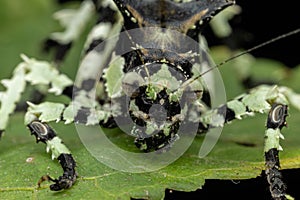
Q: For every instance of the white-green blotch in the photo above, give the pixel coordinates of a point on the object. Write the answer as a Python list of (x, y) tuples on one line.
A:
[(212, 118), (74, 21), (164, 79), (272, 138), (113, 76), (238, 107), (45, 112), (57, 147), (8, 99)]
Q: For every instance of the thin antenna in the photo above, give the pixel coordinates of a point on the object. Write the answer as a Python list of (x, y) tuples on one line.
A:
[(188, 82), (138, 52)]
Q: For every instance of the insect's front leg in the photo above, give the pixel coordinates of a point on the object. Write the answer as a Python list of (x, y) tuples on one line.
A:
[(44, 133), (276, 120), (74, 22), (36, 120), (263, 99)]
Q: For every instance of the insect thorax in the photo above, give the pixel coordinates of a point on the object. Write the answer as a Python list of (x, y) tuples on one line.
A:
[(152, 95)]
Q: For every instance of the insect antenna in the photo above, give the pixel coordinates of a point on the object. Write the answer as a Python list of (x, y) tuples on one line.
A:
[(188, 82), (139, 53)]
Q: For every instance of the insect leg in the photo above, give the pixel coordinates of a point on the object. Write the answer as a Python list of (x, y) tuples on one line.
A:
[(44, 133), (276, 120), (257, 100), (271, 99), (61, 42), (74, 22)]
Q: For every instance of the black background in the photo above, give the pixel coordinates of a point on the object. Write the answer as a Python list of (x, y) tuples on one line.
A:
[(260, 21)]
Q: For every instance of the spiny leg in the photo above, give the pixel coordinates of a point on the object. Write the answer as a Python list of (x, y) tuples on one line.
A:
[(271, 99), (276, 120), (258, 100), (44, 133), (101, 30), (61, 42)]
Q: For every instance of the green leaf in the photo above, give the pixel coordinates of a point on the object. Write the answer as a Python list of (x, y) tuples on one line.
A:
[(228, 160)]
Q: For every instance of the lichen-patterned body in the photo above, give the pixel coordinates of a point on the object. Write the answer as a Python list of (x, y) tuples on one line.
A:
[(163, 55)]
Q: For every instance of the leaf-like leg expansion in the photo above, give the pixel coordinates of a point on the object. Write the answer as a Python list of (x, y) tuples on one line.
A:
[(33, 72), (271, 99), (257, 100), (9, 98), (276, 120), (74, 22), (44, 133)]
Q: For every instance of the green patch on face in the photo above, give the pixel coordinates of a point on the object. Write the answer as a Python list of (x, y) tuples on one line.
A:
[(162, 79), (113, 76)]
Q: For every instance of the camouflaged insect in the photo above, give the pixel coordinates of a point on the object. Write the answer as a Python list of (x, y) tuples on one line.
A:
[(159, 79)]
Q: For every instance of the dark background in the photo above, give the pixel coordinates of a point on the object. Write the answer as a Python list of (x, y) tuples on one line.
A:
[(261, 21)]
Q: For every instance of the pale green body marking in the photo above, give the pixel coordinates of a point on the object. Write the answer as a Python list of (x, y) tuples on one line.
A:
[(272, 138), (57, 147)]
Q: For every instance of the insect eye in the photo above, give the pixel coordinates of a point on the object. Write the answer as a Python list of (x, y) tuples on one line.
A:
[(131, 82)]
